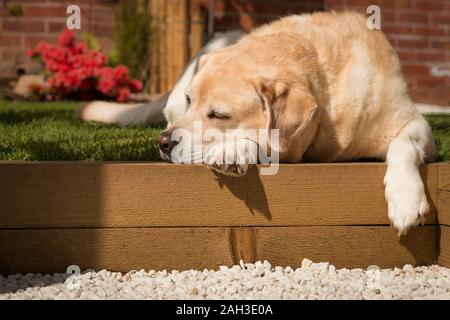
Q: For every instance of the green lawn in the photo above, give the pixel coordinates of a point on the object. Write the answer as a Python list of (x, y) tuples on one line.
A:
[(47, 131)]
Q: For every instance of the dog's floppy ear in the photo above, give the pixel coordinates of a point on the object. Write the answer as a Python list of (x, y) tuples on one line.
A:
[(289, 108)]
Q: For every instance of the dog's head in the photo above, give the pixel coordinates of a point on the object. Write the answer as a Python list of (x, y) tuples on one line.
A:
[(259, 84)]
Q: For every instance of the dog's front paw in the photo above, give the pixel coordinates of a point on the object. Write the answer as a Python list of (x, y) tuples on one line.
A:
[(407, 201), (232, 158)]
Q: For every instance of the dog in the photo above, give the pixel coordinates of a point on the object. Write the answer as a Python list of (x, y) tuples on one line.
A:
[(331, 86)]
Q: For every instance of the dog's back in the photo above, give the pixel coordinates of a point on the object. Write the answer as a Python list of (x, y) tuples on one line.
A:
[(365, 85)]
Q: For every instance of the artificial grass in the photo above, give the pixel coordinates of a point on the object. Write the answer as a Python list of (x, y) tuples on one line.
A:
[(48, 131), (441, 133)]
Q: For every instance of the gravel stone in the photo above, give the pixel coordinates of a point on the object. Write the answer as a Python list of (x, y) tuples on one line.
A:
[(260, 280)]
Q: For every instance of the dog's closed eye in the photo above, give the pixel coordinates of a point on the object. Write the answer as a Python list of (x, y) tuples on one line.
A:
[(188, 99), (214, 114)]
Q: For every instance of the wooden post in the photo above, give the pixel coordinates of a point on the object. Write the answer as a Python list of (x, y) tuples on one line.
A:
[(197, 33), (176, 40), (170, 47)]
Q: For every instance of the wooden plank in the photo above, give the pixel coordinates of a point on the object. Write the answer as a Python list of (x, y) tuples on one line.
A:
[(444, 246), (105, 194), (118, 249), (244, 244), (125, 249), (349, 246), (444, 194)]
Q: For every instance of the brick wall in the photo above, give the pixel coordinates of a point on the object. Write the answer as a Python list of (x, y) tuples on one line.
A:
[(44, 20), (418, 29)]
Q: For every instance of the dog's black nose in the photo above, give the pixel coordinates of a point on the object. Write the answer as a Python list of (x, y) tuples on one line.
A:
[(166, 144)]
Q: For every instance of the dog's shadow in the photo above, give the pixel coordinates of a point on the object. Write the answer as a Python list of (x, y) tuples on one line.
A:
[(248, 188)]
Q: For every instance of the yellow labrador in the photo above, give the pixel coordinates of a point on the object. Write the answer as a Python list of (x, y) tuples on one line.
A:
[(332, 87)]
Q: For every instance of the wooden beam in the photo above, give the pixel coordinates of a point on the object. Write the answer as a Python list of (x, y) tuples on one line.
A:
[(444, 194), (117, 249), (125, 249), (444, 246), (244, 244), (105, 194), (347, 246)]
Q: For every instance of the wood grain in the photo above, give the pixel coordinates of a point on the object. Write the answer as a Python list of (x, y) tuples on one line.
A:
[(99, 194), (244, 244), (119, 249), (444, 194), (444, 246), (349, 247), (125, 249)]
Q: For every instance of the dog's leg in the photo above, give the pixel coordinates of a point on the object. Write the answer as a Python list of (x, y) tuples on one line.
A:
[(404, 189)]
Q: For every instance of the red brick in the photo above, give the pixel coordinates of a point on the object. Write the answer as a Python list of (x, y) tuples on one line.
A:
[(396, 29), (440, 44), (423, 96), (441, 95), (38, 11), (398, 4), (102, 30), (430, 82), (430, 56), (429, 31), (406, 55), (429, 5), (6, 69), (31, 41), (440, 18), (12, 55), (417, 17), (10, 40), (363, 3), (388, 16), (22, 25), (415, 69), (333, 3), (56, 27), (412, 43)]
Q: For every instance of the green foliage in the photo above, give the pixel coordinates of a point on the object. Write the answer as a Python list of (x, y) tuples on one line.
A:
[(441, 133), (16, 10), (132, 38), (91, 41)]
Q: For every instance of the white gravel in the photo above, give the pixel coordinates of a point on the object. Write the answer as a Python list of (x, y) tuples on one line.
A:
[(244, 281)]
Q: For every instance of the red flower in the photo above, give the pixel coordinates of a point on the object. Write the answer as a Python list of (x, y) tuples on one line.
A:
[(75, 71), (32, 53), (122, 94), (67, 38), (121, 74), (135, 86), (106, 85)]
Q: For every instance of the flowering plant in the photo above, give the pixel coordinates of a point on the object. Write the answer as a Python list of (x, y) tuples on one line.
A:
[(73, 71)]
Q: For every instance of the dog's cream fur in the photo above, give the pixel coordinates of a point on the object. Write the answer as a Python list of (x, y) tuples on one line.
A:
[(335, 90)]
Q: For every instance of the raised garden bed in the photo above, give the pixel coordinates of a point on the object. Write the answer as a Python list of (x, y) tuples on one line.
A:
[(133, 215), (124, 216)]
